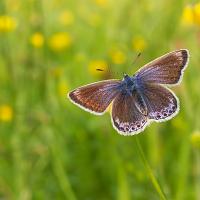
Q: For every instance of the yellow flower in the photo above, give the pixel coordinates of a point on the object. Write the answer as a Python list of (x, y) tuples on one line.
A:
[(101, 3), (188, 15), (117, 56), (60, 41), (197, 13), (37, 40), (195, 139), (94, 65), (63, 88), (7, 23), (6, 113), (66, 18), (191, 15), (138, 44)]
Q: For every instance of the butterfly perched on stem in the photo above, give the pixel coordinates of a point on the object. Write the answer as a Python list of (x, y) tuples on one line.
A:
[(139, 99)]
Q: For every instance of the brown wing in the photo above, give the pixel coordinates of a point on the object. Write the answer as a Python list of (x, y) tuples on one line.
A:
[(127, 119), (167, 69), (96, 97), (161, 103)]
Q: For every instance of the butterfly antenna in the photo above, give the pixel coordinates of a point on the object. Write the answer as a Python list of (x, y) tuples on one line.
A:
[(109, 72), (137, 57), (98, 69), (109, 69)]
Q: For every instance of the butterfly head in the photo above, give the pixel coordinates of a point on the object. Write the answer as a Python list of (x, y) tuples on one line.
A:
[(126, 77)]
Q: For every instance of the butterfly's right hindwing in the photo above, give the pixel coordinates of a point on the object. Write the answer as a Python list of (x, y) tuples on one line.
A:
[(127, 119)]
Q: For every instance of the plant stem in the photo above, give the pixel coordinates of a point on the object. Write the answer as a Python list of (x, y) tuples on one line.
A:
[(149, 171)]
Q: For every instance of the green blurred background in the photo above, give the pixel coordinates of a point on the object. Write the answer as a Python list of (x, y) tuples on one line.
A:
[(51, 149)]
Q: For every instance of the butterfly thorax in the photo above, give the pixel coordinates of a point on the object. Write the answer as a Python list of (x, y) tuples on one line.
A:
[(129, 85)]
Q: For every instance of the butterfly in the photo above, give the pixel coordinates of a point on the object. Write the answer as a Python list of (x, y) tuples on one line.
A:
[(139, 99)]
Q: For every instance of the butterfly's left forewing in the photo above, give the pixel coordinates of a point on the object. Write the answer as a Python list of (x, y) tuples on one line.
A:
[(95, 97), (167, 69)]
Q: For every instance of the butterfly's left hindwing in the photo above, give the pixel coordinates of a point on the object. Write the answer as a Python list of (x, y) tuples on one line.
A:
[(161, 103), (96, 97)]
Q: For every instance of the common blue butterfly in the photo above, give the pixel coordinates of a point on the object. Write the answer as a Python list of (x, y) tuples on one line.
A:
[(139, 99)]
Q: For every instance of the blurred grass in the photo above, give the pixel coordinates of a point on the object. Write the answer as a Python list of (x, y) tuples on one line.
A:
[(50, 149)]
